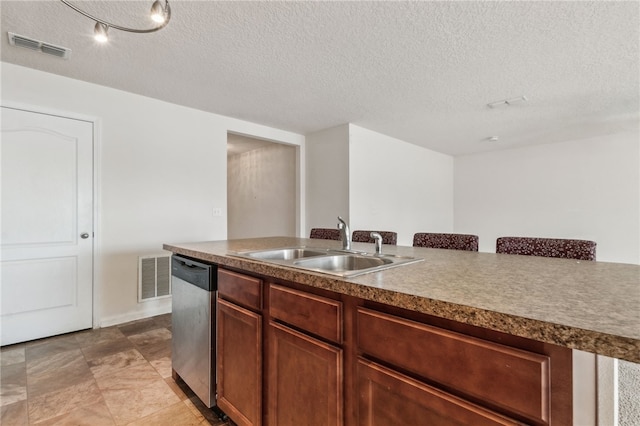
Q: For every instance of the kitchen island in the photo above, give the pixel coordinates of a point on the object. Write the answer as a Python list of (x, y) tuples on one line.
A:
[(590, 306), (529, 309)]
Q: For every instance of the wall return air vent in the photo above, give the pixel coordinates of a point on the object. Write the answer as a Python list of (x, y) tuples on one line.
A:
[(38, 46), (154, 277)]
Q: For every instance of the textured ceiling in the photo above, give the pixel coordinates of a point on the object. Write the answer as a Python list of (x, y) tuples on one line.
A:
[(422, 72)]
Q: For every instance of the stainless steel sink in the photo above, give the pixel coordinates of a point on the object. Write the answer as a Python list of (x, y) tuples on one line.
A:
[(287, 253), (343, 263)]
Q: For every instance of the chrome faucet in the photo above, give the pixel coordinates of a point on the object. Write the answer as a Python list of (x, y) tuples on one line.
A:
[(345, 234), (378, 240)]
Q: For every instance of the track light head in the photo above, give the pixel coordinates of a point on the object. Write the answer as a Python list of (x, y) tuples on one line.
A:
[(100, 33), (158, 12)]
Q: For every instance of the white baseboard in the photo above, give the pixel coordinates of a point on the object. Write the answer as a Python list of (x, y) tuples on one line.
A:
[(146, 312)]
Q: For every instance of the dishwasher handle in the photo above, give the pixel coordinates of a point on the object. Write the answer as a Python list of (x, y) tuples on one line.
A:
[(200, 274)]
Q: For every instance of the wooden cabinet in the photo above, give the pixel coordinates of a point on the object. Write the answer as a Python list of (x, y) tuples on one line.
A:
[(240, 289), (305, 382), (239, 348), (513, 380), (316, 315), (305, 379), (387, 397), (324, 359)]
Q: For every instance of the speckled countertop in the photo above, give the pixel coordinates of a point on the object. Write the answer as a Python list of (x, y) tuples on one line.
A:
[(591, 306)]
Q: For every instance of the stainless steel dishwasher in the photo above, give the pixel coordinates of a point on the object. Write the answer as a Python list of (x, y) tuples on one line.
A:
[(193, 323)]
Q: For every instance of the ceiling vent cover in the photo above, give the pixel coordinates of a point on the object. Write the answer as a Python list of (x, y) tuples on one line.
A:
[(39, 46)]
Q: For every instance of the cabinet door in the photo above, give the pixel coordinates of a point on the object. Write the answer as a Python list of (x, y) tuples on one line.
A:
[(239, 363), (516, 381), (387, 398), (305, 380)]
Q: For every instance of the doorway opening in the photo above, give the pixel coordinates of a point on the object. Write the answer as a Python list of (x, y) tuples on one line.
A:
[(262, 181)]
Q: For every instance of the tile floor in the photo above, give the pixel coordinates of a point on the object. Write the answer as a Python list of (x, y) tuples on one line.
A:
[(118, 375)]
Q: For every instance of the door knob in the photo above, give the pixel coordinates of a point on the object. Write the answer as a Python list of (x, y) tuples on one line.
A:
[(84, 235)]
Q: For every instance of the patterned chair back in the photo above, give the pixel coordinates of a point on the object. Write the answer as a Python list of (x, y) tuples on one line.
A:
[(446, 241), (547, 247), (361, 236), (325, 234)]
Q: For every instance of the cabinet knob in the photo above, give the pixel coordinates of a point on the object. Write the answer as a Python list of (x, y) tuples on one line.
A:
[(84, 235)]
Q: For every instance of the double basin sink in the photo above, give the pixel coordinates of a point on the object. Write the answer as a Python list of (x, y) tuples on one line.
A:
[(343, 263)]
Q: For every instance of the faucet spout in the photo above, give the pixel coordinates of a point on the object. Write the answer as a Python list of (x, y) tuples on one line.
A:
[(345, 234), (378, 240)]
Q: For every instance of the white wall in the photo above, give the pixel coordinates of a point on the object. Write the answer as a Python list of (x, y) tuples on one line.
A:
[(327, 163), (629, 394), (261, 188), (161, 171), (397, 186), (586, 189)]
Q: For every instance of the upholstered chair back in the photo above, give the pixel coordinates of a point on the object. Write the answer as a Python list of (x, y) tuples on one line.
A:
[(361, 236), (325, 234), (547, 247), (446, 241)]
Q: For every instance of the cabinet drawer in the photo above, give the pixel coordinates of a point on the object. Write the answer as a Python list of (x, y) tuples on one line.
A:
[(511, 379), (241, 289), (315, 314), (386, 397)]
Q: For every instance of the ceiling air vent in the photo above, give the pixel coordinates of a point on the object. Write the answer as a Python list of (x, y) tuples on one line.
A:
[(37, 45)]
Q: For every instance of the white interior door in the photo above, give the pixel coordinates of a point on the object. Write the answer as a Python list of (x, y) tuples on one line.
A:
[(46, 224)]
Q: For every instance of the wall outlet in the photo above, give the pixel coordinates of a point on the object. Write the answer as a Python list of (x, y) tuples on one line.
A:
[(217, 212)]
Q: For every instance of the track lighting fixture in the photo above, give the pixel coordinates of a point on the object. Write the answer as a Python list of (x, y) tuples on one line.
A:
[(100, 33), (160, 14)]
